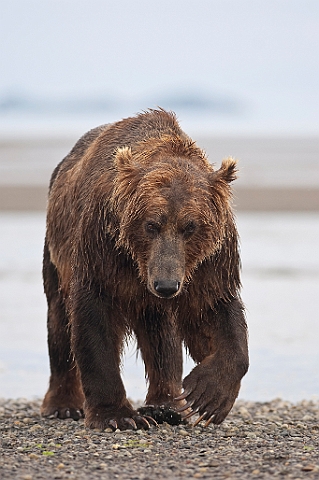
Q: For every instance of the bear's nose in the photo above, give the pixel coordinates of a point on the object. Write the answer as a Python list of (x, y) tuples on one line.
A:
[(166, 288)]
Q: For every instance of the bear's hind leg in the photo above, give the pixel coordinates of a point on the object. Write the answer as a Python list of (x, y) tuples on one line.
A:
[(64, 398)]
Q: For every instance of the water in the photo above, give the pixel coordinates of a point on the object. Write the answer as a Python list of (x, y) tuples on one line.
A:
[(281, 285)]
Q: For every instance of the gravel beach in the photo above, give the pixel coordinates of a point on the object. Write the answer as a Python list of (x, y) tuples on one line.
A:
[(257, 440)]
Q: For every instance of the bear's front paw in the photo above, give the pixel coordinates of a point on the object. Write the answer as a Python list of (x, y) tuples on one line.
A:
[(209, 393), (123, 418), (162, 414)]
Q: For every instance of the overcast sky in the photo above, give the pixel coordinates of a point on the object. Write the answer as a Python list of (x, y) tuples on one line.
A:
[(262, 53)]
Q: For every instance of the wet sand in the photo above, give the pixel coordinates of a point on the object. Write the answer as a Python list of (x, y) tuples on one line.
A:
[(280, 279), (275, 174), (288, 199)]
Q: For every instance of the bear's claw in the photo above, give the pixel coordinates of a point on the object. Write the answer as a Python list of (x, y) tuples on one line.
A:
[(124, 418), (150, 420), (63, 413), (131, 422), (113, 424), (186, 406), (184, 395), (128, 422)]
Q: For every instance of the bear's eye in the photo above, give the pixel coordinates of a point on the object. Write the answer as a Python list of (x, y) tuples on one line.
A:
[(189, 229), (153, 228)]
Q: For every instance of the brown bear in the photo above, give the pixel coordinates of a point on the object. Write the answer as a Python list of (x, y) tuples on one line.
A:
[(141, 240)]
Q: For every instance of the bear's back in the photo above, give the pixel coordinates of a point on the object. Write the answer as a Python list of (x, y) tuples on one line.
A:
[(125, 133)]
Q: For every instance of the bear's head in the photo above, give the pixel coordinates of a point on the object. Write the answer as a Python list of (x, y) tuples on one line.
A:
[(173, 211)]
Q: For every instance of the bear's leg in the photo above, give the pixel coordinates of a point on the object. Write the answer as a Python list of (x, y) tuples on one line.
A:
[(218, 343), (97, 332), (161, 349), (64, 397)]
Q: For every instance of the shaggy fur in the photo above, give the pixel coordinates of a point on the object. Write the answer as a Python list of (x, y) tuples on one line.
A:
[(141, 239)]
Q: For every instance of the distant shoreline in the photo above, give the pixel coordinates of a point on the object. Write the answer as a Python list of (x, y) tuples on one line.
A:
[(247, 198)]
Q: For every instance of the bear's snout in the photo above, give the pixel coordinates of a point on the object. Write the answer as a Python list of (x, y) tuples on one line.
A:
[(167, 288), (166, 267)]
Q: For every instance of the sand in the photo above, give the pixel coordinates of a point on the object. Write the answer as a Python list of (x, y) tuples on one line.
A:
[(275, 173), (287, 199)]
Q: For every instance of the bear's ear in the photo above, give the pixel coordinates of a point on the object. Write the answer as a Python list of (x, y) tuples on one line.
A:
[(123, 158), (128, 174), (227, 171)]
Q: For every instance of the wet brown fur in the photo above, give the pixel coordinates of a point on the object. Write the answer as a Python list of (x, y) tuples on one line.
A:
[(134, 203)]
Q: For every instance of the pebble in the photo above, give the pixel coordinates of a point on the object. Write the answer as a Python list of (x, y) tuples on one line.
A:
[(258, 440)]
